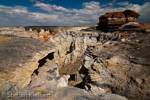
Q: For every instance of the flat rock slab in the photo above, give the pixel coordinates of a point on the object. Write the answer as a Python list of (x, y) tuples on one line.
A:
[(18, 50), (140, 56), (15, 52)]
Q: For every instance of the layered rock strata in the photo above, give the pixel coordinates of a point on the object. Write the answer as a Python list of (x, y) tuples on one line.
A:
[(112, 20)]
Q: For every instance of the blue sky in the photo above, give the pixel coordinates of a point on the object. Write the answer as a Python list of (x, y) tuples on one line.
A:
[(66, 12)]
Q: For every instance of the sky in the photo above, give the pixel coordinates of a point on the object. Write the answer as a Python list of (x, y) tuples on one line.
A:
[(66, 12)]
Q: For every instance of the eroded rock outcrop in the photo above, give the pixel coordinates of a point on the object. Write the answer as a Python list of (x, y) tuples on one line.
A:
[(120, 67), (112, 20), (98, 65), (19, 58), (131, 26), (108, 66)]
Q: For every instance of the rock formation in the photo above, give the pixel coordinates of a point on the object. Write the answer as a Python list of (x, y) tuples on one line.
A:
[(131, 26), (116, 67), (110, 62), (112, 20), (76, 62)]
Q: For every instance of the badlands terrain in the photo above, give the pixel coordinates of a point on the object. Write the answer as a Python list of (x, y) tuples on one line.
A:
[(75, 63)]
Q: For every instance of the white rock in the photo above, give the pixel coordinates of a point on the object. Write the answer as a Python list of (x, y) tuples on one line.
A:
[(123, 40), (119, 59)]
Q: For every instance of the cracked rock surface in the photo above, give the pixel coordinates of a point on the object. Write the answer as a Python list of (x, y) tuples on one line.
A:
[(119, 67), (78, 65)]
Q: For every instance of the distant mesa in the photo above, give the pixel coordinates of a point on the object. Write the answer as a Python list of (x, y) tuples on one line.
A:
[(112, 20)]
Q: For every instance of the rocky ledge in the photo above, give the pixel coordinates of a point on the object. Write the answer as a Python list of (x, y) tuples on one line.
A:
[(77, 65)]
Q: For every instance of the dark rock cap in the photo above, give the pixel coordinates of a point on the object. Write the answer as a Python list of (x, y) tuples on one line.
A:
[(130, 13), (120, 14)]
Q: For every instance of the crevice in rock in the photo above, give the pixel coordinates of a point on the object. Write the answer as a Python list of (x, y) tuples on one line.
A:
[(72, 78), (41, 62), (95, 79), (79, 80), (84, 71), (72, 47), (81, 85)]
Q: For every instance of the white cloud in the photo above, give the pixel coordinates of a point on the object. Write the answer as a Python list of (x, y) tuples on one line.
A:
[(44, 17), (110, 4), (46, 7), (13, 16), (143, 10), (17, 9), (50, 8), (37, 1), (58, 15), (61, 8), (88, 8), (123, 3), (91, 5)]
